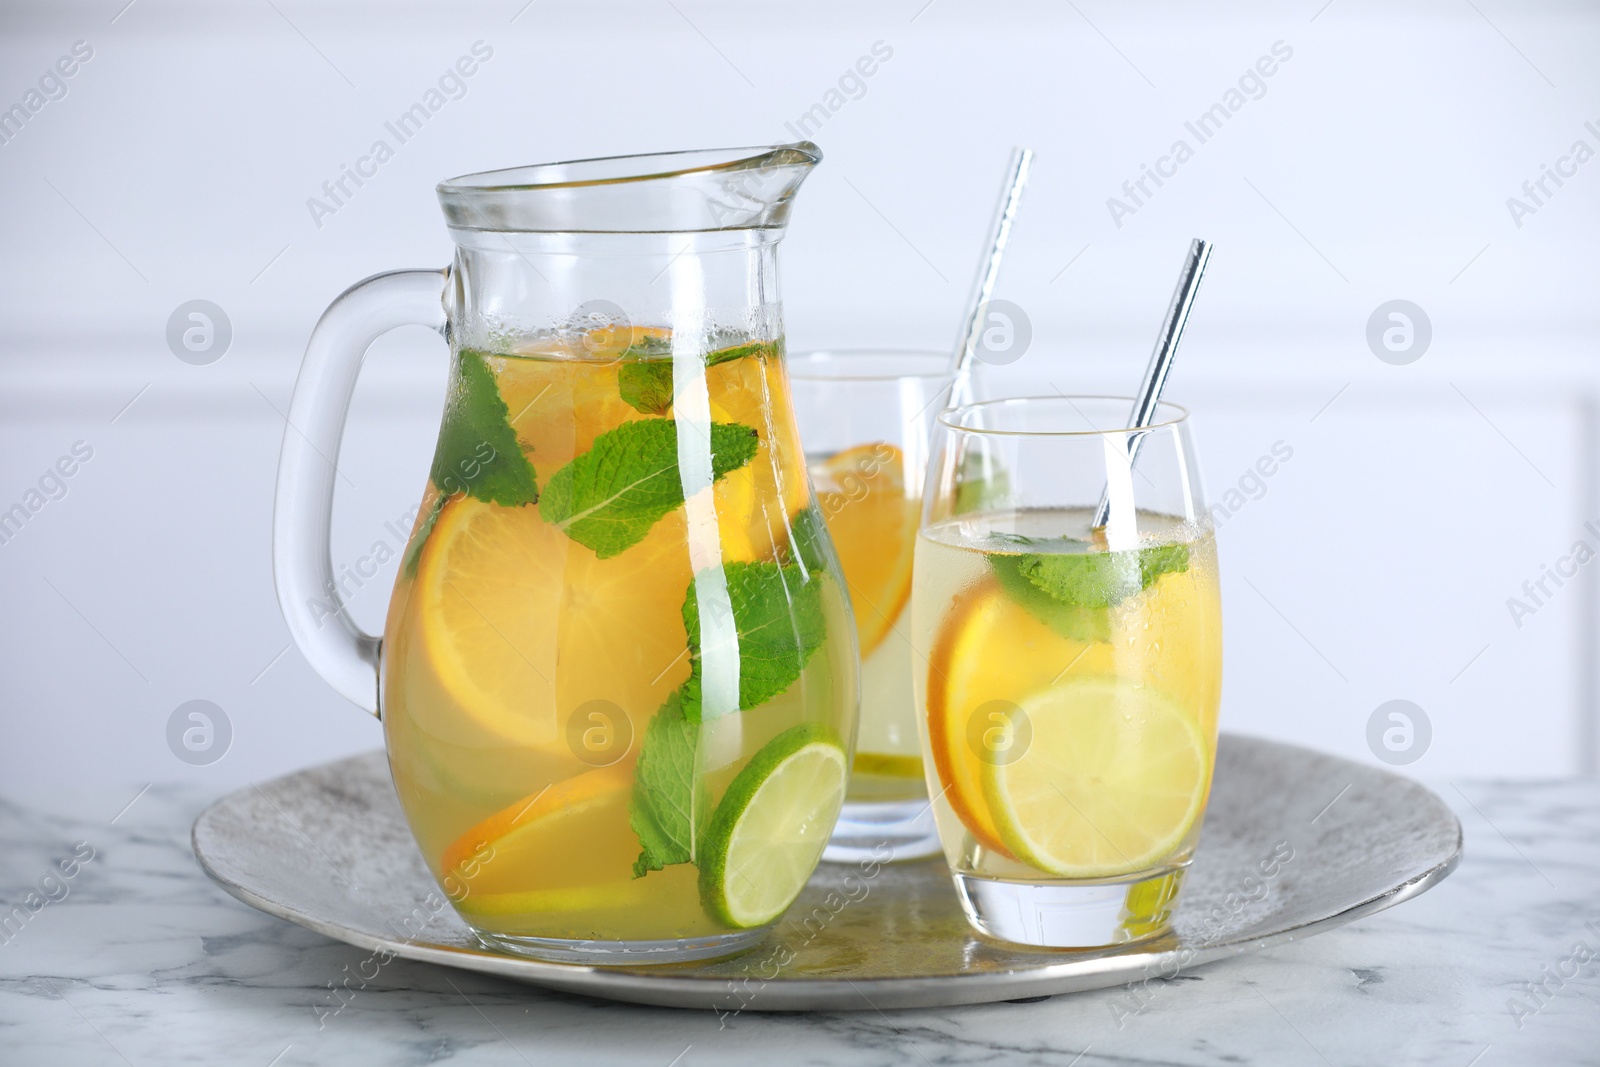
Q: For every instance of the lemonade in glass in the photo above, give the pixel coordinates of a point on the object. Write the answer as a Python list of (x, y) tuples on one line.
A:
[(1070, 674), (865, 416)]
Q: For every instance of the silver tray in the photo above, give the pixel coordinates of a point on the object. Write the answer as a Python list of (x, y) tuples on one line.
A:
[(1295, 843)]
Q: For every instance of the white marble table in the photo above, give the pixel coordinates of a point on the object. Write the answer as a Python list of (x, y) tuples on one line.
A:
[(141, 960)]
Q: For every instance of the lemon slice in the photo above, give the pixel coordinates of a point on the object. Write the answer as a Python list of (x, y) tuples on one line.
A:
[(1113, 779), (769, 830), (874, 529)]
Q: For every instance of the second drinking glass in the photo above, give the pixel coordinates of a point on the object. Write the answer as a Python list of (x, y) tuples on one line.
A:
[(865, 418)]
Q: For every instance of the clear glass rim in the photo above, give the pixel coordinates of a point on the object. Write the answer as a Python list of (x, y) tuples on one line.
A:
[(849, 364), (641, 167), (1166, 414)]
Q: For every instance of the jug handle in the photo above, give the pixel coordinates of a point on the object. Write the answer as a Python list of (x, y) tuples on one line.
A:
[(302, 558)]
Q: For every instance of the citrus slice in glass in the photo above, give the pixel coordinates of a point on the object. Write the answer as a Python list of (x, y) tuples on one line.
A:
[(558, 403), (769, 830), (874, 529), (753, 390), (984, 647), (521, 625), (554, 846), (1111, 781)]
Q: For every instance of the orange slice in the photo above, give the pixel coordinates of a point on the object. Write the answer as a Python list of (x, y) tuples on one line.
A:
[(754, 391), (957, 767), (571, 834), (522, 625), (874, 528), (988, 650), (558, 404)]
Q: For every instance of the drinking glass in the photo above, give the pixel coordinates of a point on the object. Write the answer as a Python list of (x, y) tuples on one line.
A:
[(1068, 676), (865, 418)]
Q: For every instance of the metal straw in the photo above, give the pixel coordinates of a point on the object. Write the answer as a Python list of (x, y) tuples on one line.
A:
[(988, 271), (1155, 376)]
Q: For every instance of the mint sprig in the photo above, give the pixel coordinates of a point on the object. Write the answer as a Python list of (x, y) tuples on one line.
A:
[(778, 621), (1100, 579), (1072, 592), (808, 540), (777, 616), (420, 537), (608, 498), (1072, 621), (646, 385), (667, 809), (478, 452)]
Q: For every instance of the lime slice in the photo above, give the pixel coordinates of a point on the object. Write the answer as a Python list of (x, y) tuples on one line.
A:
[(768, 833), (1113, 779)]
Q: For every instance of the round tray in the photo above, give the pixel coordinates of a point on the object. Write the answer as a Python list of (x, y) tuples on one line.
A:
[(1295, 843)]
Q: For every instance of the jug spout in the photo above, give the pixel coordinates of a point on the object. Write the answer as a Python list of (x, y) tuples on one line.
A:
[(671, 192)]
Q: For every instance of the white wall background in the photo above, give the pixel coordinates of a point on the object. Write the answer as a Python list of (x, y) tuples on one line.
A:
[(1376, 165)]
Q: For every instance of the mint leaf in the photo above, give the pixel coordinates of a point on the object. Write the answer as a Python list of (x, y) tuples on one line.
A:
[(1162, 559), (420, 538), (1071, 591), (777, 615), (1072, 621), (608, 498), (646, 384), (749, 348), (645, 381), (1085, 579), (808, 540), (1101, 579), (667, 808), (651, 345), (478, 453)]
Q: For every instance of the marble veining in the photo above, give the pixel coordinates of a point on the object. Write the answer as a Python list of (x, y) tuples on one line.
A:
[(142, 960)]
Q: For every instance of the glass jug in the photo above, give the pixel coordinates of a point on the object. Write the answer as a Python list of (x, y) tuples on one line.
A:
[(618, 678)]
